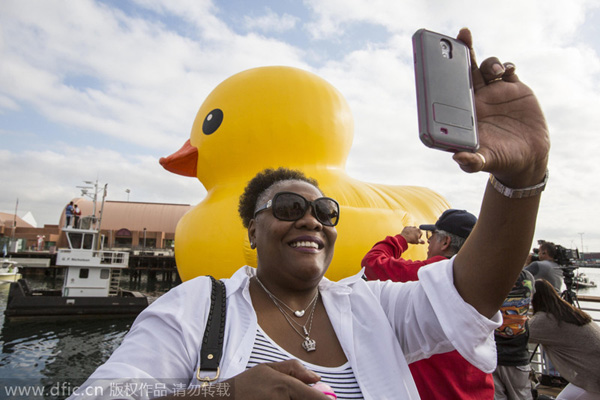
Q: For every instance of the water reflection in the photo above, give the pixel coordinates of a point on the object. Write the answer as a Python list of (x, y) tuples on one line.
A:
[(55, 355), (52, 352)]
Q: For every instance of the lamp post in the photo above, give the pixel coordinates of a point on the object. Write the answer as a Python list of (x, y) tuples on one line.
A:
[(127, 191)]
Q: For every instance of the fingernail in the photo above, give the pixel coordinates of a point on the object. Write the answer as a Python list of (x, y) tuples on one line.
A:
[(314, 374), (498, 69)]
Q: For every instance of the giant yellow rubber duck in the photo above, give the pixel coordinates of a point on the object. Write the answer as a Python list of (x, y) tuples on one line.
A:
[(281, 116)]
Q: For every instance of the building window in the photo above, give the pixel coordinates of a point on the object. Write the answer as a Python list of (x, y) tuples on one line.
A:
[(84, 273), (123, 233), (121, 242), (123, 238)]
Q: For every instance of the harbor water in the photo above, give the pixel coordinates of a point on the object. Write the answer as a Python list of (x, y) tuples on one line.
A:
[(49, 359)]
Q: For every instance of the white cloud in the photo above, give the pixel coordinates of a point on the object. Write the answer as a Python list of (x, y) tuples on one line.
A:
[(43, 181), (8, 104), (550, 58), (271, 22), (115, 79), (142, 73)]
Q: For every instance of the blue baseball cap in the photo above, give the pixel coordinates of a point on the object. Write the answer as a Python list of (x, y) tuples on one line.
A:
[(457, 222)]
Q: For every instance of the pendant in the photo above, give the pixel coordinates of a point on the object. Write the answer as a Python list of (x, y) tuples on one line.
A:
[(309, 344), (299, 313)]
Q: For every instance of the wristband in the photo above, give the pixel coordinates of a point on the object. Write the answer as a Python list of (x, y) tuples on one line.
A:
[(518, 193)]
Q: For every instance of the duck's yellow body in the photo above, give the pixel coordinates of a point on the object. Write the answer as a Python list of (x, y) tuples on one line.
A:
[(274, 117)]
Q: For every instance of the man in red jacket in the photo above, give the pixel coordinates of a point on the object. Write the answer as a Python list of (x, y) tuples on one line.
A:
[(442, 376)]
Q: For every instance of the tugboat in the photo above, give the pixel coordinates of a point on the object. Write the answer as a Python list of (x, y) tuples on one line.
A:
[(91, 282)]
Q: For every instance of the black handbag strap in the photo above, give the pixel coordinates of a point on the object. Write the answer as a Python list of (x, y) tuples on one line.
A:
[(214, 333)]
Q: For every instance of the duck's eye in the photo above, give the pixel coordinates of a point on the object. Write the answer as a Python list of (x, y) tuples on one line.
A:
[(212, 121)]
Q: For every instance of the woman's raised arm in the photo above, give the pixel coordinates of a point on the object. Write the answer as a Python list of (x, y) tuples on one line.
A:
[(514, 144)]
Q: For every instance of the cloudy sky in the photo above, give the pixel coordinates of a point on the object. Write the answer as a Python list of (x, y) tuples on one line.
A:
[(100, 90)]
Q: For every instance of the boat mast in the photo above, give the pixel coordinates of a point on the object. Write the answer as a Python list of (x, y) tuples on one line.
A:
[(101, 213), (85, 191)]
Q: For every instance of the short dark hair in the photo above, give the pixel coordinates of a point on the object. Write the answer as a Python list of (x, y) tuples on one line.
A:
[(263, 181), (550, 248)]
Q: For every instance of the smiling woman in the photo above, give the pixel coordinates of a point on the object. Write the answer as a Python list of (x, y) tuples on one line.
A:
[(288, 327), (286, 323)]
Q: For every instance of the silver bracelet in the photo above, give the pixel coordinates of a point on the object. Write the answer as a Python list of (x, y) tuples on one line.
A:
[(518, 193)]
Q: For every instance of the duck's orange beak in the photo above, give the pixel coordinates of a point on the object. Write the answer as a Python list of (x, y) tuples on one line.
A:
[(183, 162)]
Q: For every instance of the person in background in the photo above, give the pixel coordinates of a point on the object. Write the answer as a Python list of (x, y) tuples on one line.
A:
[(77, 215), (571, 339), (546, 268), (445, 238), (447, 375), (511, 377), (69, 214)]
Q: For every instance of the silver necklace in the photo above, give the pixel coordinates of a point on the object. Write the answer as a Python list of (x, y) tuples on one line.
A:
[(297, 313), (308, 344)]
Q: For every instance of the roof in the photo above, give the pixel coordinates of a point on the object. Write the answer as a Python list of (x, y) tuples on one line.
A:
[(135, 216), (7, 219)]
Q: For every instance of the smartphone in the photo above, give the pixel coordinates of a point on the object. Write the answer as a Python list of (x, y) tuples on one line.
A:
[(445, 95)]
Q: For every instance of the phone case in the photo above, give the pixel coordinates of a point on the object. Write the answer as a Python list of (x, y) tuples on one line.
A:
[(445, 95)]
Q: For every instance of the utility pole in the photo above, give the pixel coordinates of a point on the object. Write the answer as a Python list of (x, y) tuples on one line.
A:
[(14, 229)]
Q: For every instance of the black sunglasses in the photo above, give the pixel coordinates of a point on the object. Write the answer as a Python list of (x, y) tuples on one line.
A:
[(288, 206)]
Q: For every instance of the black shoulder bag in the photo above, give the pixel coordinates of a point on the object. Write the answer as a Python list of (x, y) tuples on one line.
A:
[(212, 343)]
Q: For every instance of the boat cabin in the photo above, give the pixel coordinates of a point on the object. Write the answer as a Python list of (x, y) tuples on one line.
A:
[(91, 271)]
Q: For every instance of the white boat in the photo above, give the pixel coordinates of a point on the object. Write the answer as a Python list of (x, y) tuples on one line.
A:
[(9, 271), (91, 282), (581, 280)]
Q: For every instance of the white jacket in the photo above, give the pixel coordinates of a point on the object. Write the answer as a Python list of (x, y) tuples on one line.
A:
[(369, 318)]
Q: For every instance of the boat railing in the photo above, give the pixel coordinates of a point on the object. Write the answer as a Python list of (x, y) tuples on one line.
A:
[(591, 305), (113, 257), (89, 222)]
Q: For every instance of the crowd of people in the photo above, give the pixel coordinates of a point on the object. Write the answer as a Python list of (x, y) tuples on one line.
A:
[(570, 339), (412, 329)]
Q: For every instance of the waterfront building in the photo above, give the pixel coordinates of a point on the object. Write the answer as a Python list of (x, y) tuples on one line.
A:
[(137, 227)]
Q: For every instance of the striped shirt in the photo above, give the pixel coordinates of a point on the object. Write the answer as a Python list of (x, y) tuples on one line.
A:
[(341, 379)]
